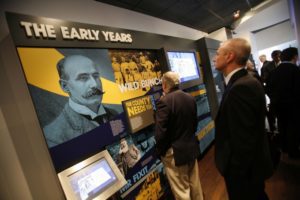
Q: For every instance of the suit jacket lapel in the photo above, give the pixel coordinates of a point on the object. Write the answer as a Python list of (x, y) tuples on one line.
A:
[(235, 77)]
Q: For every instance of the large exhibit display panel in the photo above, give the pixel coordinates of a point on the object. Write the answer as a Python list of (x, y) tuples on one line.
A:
[(94, 178), (94, 90), (127, 102)]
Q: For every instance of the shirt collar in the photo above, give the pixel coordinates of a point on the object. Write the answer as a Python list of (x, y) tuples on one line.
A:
[(227, 78), (85, 110), (286, 62)]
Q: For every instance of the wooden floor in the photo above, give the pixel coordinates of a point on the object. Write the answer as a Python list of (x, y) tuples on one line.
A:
[(283, 185)]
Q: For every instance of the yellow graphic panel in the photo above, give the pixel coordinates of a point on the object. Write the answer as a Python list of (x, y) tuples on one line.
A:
[(113, 94), (39, 65), (205, 130)]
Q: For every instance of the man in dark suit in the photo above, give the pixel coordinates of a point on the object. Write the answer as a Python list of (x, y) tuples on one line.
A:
[(263, 60), (283, 88), (266, 70), (241, 149), (269, 66), (80, 79), (176, 144)]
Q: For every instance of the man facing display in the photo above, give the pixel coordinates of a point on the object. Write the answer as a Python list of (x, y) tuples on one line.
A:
[(176, 144)]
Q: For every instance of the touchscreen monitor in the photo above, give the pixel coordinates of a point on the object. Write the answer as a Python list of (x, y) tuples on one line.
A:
[(186, 65), (97, 177)]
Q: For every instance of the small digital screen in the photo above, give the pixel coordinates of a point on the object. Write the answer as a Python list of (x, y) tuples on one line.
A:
[(185, 64), (91, 180)]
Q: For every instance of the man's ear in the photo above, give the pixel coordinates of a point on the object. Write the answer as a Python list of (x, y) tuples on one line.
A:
[(64, 85), (230, 57)]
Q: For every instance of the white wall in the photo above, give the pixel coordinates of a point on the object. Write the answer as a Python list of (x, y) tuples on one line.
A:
[(220, 35), (271, 15), (267, 28), (275, 35)]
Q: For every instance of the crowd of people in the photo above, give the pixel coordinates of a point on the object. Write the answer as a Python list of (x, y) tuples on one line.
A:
[(242, 152), (282, 86)]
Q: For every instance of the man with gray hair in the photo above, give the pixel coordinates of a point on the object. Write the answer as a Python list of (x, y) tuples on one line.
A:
[(176, 143), (242, 153), (80, 79)]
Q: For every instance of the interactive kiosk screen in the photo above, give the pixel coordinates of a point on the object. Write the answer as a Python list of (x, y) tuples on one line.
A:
[(186, 65), (97, 177)]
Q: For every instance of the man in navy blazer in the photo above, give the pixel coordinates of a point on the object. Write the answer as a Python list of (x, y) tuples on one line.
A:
[(241, 149), (176, 143)]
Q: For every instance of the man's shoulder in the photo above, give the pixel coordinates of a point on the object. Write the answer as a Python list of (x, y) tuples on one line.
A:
[(271, 65), (247, 84), (59, 122), (67, 119)]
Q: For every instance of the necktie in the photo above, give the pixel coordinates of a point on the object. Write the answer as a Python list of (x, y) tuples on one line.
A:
[(99, 119)]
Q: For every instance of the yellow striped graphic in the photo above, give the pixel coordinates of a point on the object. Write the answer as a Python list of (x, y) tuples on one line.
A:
[(39, 65), (205, 130)]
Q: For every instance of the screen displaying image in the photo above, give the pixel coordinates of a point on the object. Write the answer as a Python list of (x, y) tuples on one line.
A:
[(185, 64), (92, 180)]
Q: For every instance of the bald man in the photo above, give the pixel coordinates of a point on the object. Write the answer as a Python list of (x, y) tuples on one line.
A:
[(241, 149), (80, 79)]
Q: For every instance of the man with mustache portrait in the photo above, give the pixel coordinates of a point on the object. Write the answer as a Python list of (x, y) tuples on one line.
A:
[(80, 79)]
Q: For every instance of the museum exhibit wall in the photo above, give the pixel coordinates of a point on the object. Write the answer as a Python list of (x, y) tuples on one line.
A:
[(89, 11), (33, 175)]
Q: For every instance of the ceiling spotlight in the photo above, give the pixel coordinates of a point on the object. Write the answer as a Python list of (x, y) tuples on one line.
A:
[(236, 14)]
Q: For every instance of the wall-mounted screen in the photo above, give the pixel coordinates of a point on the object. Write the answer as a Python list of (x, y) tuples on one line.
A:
[(185, 63), (97, 177)]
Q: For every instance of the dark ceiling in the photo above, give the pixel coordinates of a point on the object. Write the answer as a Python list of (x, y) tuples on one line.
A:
[(203, 15)]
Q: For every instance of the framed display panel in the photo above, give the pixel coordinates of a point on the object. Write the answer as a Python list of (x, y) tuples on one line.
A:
[(97, 177), (139, 112)]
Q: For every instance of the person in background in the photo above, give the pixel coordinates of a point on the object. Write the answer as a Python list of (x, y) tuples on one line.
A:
[(283, 88), (242, 153), (251, 70), (80, 79), (270, 65), (117, 71), (265, 73), (263, 60), (129, 155), (176, 143)]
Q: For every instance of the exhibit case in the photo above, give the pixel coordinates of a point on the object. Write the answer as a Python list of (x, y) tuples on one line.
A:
[(93, 89)]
